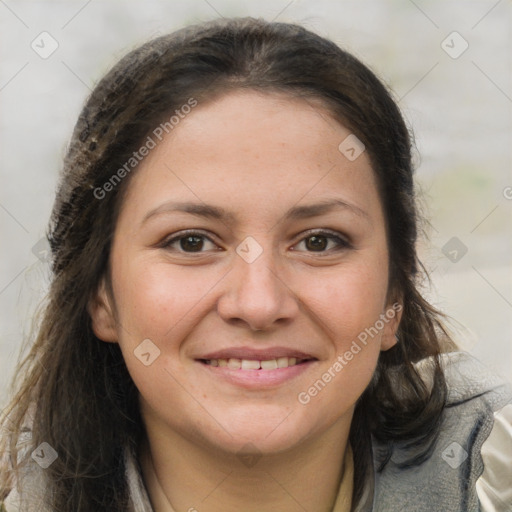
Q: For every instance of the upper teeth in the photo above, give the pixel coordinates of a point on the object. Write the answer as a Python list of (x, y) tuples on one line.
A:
[(251, 364)]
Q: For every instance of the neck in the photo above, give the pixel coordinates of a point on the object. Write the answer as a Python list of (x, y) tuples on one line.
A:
[(182, 476)]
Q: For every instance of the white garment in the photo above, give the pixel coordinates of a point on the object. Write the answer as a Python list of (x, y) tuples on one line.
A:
[(494, 487)]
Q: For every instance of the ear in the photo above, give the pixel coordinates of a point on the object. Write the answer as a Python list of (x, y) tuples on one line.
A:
[(102, 315), (391, 317)]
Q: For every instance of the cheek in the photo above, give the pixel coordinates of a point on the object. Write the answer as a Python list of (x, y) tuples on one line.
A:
[(350, 300), (158, 302), (155, 298), (348, 312)]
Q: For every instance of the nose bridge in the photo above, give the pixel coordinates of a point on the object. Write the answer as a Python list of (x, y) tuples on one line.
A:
[(257, 293), (256, 266)]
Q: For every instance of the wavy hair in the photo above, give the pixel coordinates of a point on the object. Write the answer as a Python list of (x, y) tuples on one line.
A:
[(75, 388)]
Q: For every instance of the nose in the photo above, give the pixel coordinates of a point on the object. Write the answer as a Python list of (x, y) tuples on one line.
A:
[(257, 295)]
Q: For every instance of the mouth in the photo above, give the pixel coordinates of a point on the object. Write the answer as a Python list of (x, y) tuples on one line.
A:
[(256, 369), (255, 364)]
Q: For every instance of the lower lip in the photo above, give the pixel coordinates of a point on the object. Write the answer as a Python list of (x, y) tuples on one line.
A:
[(257, 379)]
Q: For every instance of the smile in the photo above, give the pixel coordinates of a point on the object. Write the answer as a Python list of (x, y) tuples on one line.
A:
[(256, 369), (254, 364)]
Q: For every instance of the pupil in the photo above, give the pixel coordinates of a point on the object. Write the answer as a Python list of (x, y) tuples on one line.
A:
[(319, 242), (194, 246)]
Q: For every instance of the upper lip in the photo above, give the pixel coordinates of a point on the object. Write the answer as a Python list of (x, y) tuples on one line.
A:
[(256, 354)]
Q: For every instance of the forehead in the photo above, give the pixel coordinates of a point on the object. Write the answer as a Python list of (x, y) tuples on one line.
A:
[(250, 150), (249, 122)]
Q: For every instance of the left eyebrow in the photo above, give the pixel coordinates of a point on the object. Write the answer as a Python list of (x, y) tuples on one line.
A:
[(316, 209)]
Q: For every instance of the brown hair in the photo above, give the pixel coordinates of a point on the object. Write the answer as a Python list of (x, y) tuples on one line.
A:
[(85, 403)]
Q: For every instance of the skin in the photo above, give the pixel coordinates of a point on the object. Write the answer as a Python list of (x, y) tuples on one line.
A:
[(257, 155)]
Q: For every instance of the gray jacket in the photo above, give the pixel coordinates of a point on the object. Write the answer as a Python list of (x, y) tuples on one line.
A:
[(446, 482)]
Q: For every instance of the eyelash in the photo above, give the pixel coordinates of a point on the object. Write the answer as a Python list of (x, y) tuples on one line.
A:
[(331, 235)]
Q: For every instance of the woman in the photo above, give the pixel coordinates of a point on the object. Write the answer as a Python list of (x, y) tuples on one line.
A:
[(234, 321)]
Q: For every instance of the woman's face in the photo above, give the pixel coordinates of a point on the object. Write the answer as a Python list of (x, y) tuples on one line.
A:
[(264, 323)]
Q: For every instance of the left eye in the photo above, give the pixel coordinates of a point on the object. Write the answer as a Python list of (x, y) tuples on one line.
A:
[(194, 241), (319, 240)]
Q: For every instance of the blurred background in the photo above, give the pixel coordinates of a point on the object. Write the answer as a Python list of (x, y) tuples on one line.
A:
[(447, 62)]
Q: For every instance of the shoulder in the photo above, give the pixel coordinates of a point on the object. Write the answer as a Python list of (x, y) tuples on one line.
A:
[(28, 494), (470, 381), (483, 401), (478, 403)]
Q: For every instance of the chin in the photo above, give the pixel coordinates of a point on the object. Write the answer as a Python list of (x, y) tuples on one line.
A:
[(252, 442), (263, 430)]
